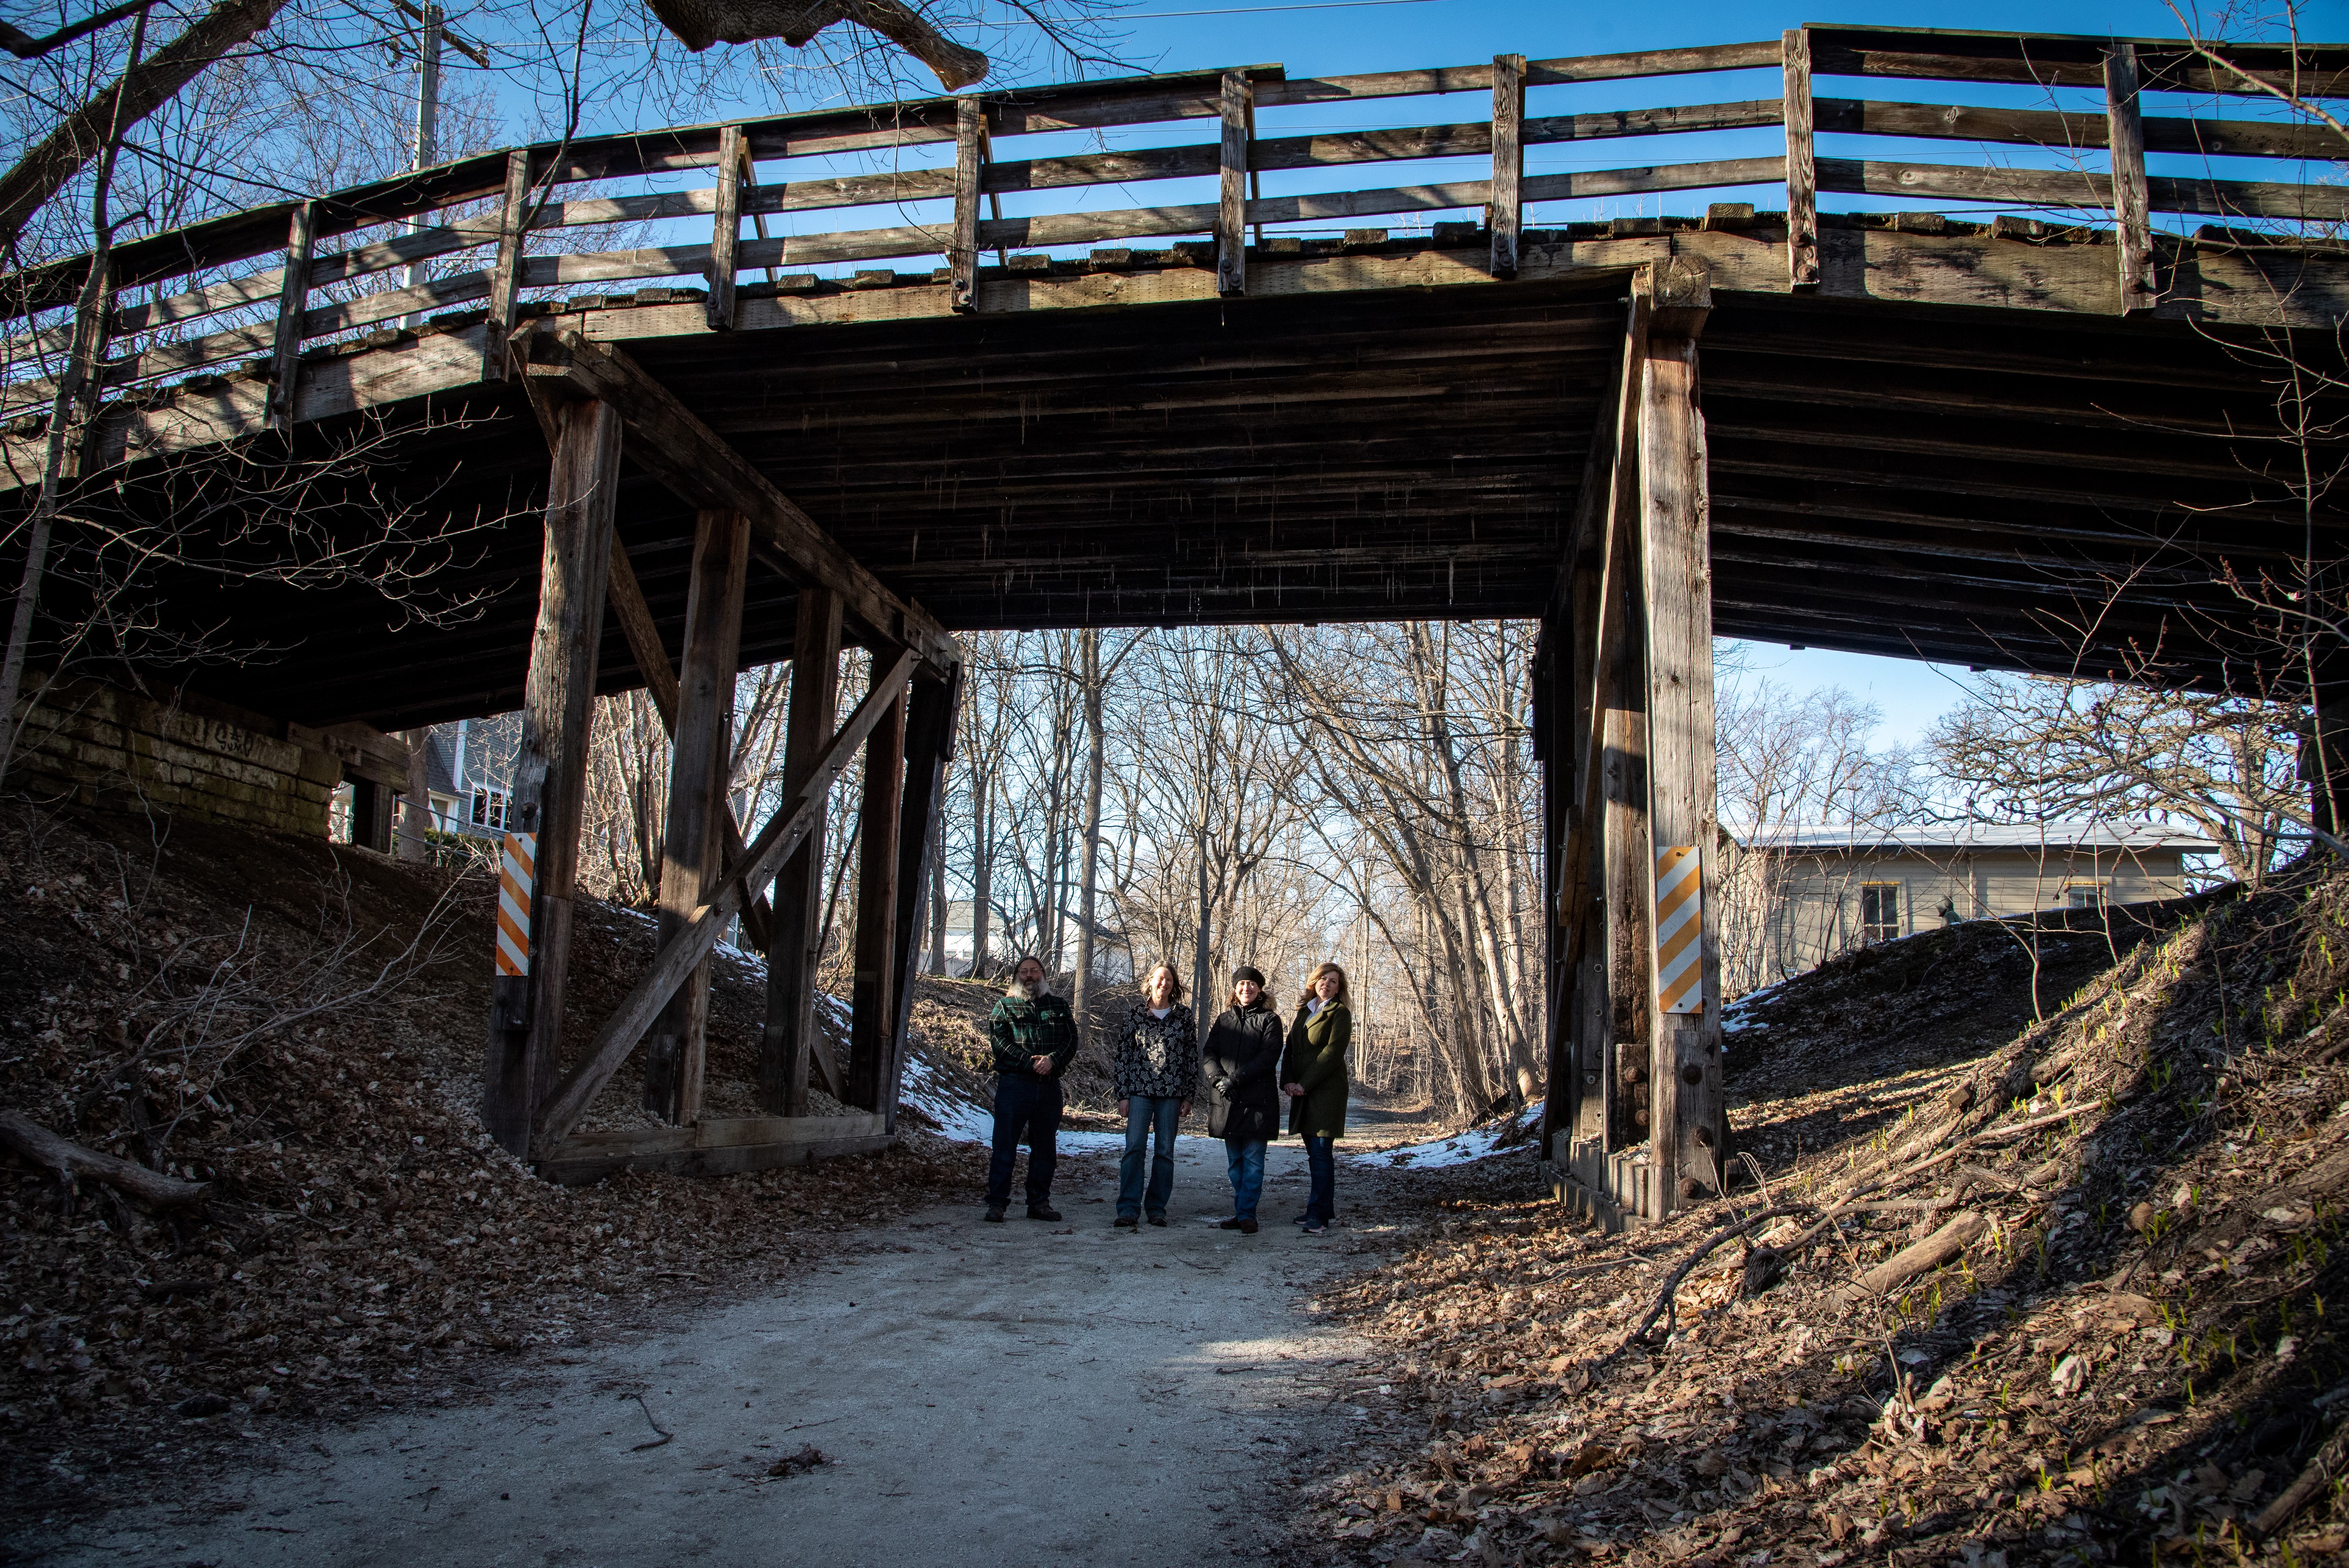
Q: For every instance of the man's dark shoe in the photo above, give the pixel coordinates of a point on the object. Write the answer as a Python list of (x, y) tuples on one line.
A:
[(1042, 1211), (1128, 1222), (995, 1214), (1233, 1224), (1247, 1227), (1158, 1220)]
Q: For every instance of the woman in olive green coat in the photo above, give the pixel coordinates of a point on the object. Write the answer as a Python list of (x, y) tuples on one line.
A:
[(1313, 1075)]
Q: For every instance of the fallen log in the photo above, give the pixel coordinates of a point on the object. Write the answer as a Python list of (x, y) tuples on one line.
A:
[(70, 1162), (1930, 1254), (2319, 1475)]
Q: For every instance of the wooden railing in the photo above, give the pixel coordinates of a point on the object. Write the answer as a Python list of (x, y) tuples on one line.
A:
[(190, 302)]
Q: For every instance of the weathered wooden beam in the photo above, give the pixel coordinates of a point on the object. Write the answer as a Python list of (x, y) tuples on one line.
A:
[(1505, 208), (1802, 174), (784, 832), (791, 1040), (929, 746), (551, 767), (670, 441), (1688, 1136), (969, 172), (1231, 210), (505, 274), (872, 993), (292, 305), (692, 836), (717, 1146), (2132, 223), (726, 230)]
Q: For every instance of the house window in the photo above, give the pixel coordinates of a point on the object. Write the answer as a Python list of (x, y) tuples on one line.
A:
[(1879, 911), (2084, 895), (489, 810)]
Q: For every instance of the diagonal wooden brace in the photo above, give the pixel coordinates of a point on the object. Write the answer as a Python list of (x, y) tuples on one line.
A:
[(691, 945), (669, 441)]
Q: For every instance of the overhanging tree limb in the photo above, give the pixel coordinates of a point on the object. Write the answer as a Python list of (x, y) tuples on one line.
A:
[(43, 171)]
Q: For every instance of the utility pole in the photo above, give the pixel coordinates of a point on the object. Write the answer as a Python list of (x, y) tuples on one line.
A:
[(432, 23)]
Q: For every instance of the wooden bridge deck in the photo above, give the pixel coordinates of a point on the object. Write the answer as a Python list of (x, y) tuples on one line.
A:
[(1954, 437)]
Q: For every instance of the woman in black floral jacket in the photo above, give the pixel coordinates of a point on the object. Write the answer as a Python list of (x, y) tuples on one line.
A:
[(1155, 1064)]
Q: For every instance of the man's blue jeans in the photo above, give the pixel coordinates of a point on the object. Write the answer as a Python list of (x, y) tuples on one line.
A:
[(1247, 1174), (1027, 1110), (1146, 1114), (1321, 1159)]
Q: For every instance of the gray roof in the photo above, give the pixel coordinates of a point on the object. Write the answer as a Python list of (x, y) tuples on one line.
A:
[(2069, 838)]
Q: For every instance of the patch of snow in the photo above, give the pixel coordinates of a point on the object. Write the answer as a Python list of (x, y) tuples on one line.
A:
[(1461, 1148), (1738, 1015)]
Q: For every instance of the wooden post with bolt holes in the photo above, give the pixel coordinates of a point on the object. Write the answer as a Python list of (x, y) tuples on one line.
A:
[(1689, 1134), (1239, 105)]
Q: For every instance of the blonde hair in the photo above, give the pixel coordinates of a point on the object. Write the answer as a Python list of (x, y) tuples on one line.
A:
[(1312, 991), (1151, 979)]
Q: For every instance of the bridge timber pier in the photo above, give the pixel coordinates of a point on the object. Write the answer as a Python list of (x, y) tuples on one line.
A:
[(2013, 412)]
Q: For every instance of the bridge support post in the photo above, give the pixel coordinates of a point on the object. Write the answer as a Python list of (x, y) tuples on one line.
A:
[(1688, 1134), (872, 993), (692, 846), (551, 769), (929, 746), (1602, 952), (791, 1042)]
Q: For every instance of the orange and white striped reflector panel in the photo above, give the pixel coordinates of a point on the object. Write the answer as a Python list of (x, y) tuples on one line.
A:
[(1679, 929), (517, 866)]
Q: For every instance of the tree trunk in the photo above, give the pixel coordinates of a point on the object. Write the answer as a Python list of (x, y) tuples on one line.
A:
[(1090, 673)]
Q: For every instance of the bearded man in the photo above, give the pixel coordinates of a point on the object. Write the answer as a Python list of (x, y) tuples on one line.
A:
[(1034, 1036)]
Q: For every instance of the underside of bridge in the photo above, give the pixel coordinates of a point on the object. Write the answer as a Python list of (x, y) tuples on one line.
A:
[(2002, 489)]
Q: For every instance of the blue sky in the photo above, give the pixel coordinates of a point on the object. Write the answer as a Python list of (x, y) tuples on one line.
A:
[(1319, 42)]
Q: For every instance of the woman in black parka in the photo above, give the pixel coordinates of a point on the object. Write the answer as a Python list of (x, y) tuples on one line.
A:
[(1242, 1064)]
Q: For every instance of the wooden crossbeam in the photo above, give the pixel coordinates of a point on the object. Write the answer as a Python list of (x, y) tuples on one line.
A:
[(670, 441), (699, 933)]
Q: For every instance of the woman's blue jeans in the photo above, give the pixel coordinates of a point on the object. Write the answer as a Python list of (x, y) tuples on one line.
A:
[(1146, 1115), (1321, 1159), (1247, 1174)]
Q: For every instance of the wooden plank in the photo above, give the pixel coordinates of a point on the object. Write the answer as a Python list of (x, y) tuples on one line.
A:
[(506, 273), (970, 169), (2132, 223), (726, 230), (791, 1039), (872, 991), (1504, 204), (551, 767), (929, 746), (784, 832), (1231, 211), (1688, 1136), (670, 441), (719, 1146), (2056, 129), (2080, 190), (1802, 173), (292, 299), (675, 1046)]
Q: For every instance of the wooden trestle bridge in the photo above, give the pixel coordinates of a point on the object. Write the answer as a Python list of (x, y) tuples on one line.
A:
[(2009, 420)]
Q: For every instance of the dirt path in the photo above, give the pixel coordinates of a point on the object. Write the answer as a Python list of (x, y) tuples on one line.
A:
[(1046, 1394)]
